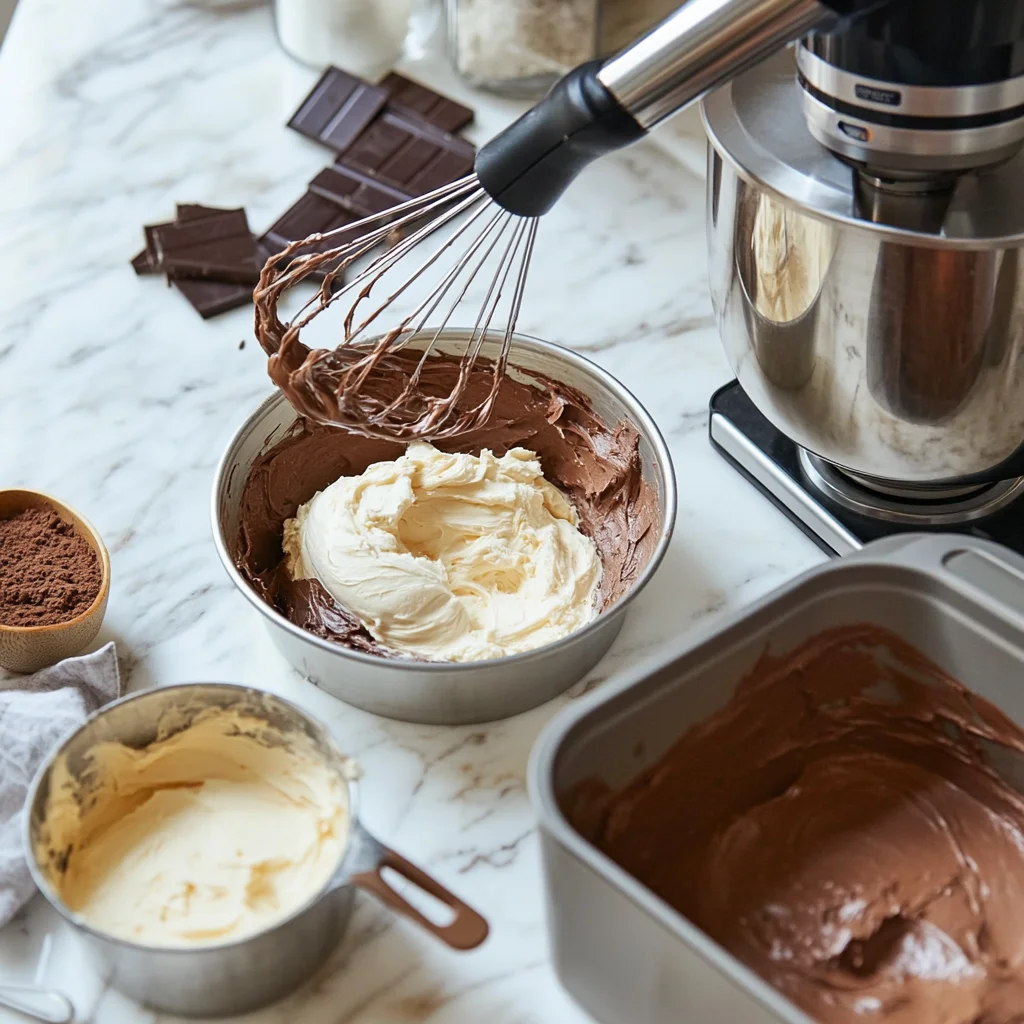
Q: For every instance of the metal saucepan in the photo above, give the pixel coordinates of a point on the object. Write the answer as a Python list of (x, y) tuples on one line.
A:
[(234, 977), (451, 694)]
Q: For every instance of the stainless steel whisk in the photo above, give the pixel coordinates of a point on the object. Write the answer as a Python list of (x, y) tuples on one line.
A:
[(329, 385), (376, 385)]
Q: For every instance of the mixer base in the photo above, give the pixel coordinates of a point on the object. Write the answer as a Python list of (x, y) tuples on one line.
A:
[(841, 514)]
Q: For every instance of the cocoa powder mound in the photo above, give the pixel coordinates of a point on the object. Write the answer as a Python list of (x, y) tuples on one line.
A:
[(48, 572)]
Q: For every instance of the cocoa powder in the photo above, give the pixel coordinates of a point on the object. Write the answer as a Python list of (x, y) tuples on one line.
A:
[(48, 572)]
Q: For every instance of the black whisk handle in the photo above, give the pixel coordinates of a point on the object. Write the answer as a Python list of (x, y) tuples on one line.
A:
[(531, 163)]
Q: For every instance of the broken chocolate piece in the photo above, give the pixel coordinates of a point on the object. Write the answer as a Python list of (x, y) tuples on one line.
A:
[(338, 109), (215, 246), (211, 298), (355, 191), (410, 155), (411, 99), (194, 211), (207, 297)]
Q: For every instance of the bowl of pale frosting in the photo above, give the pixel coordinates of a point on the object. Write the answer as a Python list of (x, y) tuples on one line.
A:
[(204, 841), (459, 581)]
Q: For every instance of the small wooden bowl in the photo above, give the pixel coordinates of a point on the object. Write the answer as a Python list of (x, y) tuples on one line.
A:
[(30, 648)]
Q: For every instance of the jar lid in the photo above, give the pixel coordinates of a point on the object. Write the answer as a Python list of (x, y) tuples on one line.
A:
[(756, 123)]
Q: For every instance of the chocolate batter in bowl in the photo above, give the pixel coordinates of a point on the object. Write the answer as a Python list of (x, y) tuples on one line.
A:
[(837, 826), (595, 443), (811, 812)]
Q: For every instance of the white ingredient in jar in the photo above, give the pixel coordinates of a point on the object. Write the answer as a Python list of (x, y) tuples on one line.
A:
[(363, 37), (504, 40)]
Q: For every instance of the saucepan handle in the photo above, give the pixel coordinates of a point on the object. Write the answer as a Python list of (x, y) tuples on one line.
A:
[(466, 930)]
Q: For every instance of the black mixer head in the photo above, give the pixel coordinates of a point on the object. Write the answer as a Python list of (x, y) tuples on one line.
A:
[(917, 88)]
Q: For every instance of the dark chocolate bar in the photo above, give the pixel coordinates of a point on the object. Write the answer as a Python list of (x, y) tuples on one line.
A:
[(411, 99), (214, 246), (338, 109), (146, 262), (211, 298), (312, 214), (357, 192), (410, 155)]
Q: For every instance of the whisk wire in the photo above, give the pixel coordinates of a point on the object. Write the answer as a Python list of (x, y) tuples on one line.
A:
[(399, 335), (434, 258), (524, 231)]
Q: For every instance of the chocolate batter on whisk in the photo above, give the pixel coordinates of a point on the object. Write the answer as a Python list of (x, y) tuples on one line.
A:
[(518, 176), (334, 386)]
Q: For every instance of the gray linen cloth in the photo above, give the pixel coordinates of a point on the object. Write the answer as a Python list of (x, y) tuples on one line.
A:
[(35, 713)]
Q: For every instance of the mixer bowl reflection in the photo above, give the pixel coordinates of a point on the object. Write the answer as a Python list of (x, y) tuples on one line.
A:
[(781, 258)]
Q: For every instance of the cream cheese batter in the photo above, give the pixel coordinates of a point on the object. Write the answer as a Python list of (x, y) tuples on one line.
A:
[(206, 836), (450, 556)]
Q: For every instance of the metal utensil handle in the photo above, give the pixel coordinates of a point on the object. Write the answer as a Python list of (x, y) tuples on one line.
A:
[(39, 1004), (703, 45), (466, 931)]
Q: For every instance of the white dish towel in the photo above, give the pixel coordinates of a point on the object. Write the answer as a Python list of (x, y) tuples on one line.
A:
[(36, 712)]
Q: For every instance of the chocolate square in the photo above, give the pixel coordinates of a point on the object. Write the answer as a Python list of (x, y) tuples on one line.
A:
[(211, 298), (338, 109), (357, 192), (216, 246)]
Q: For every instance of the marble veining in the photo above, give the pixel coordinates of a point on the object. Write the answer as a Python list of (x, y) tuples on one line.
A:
[(120, 400)]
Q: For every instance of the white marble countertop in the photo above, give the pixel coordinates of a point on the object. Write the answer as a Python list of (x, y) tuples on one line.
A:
[(119, 399)]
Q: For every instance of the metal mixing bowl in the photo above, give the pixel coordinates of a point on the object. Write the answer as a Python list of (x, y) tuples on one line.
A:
[(457, 693), (235, 977)]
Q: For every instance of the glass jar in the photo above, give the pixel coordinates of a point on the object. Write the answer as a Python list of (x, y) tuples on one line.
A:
[(520, 48), (623, 21)]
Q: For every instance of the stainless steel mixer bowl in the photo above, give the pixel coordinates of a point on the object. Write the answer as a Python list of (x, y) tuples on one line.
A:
[(457, 693), (905, 363)]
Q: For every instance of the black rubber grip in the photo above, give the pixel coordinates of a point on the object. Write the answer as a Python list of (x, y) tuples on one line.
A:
[(531, 163)]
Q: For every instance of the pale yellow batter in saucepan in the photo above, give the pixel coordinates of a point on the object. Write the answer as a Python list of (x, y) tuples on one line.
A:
[(209, 835)]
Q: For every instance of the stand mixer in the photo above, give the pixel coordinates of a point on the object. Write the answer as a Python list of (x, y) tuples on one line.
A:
[(864, 222)]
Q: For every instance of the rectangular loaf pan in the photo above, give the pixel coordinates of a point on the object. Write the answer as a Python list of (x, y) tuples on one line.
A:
[(623, 953)]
